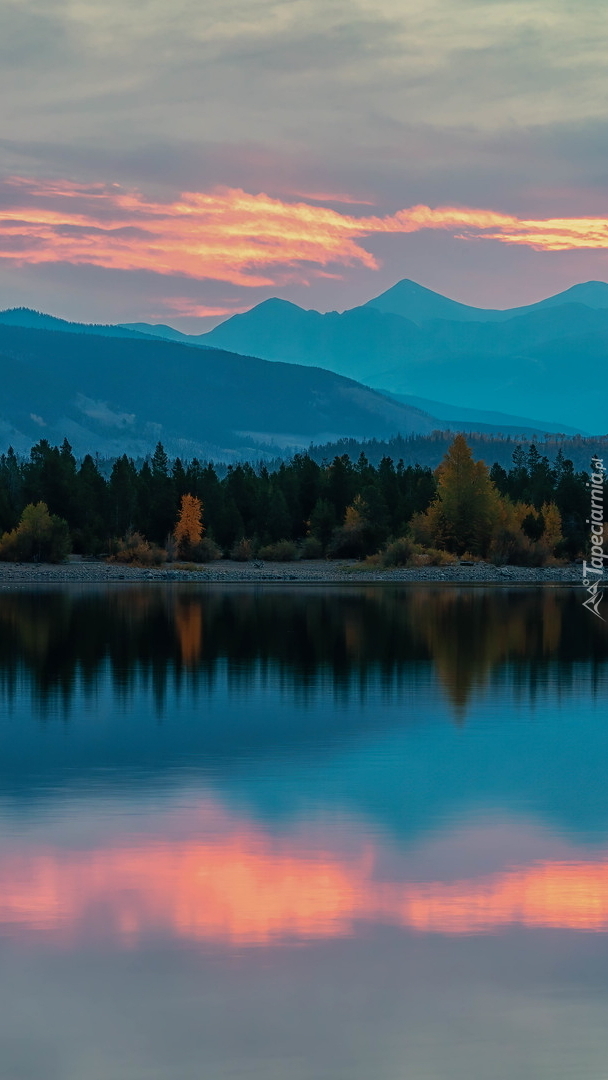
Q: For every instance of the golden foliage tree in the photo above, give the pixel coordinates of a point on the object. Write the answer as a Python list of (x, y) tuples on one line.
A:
[(39, 537), (466, 507), (354, 517), (189, 528), (553, 525)]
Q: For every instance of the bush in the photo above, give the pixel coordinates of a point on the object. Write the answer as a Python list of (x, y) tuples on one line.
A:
[(434, 557), (399, 552), (205, 551), (349, 543), (511, 546), (281, 551), (311, 548), (242, 550), (39, 537), (134, 550)]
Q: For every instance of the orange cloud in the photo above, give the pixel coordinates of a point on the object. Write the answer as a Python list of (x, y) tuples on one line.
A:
[(184, 305), (246, 889), (233, 236)]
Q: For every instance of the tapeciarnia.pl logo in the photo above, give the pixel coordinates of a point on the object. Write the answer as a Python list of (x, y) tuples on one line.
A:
[(593, 571)]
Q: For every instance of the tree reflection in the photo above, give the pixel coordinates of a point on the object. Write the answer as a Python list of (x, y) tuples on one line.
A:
[(349, 636)]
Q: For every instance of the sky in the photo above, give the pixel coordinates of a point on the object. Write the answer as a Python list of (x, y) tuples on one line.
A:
[(181, 162)]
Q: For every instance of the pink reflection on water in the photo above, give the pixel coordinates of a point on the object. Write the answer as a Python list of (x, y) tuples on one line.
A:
[(242, 886)]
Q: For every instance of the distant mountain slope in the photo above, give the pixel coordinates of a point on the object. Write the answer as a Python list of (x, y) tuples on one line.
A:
[(161, 330), (117, 394), (37, 320), (529, 363), (420, 305), (480, 420), (360, 343)]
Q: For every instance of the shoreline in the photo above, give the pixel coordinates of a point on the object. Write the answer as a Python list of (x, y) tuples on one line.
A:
[(306, 572)]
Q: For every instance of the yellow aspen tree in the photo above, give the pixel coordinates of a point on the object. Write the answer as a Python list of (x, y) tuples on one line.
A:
[(553, 525), (467, 500), (354, 517), (189, 528)]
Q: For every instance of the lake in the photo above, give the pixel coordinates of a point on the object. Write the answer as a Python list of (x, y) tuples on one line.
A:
[(306, 833)]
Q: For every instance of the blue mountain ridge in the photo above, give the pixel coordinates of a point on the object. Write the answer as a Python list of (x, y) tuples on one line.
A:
[(400, 344), (525, 361)]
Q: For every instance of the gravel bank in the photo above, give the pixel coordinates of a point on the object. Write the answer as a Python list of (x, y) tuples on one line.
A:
[(320, 572)]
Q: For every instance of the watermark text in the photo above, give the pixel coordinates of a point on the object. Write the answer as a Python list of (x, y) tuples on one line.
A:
[(593, 571)]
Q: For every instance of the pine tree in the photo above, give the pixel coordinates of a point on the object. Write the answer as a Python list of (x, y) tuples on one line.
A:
[(123, 496), (322, 521), (161, 497)]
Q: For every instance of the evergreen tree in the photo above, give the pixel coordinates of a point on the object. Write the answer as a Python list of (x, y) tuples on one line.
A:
[(11, 490), (322, 521), (161, 498), (278, 525), (90, 518), (123, 501)]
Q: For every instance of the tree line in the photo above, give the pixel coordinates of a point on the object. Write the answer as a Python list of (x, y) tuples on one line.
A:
[(345, 507)]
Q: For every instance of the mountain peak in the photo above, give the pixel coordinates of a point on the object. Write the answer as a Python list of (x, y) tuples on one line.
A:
[(415, 302), (421, 305), (593, 294)]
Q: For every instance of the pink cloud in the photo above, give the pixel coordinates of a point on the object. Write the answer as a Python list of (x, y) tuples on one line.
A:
[(233, 236)]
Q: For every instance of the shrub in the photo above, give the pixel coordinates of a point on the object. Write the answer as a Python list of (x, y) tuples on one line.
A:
[(242, 550), (281, 551), (512, 546), (134, 550), (399, 552), (405, 552), (311, 548), (39, 537), (205, 551), (434, 557), (349, 542)]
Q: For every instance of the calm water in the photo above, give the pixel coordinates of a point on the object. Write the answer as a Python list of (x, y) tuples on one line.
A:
[(274, 834)]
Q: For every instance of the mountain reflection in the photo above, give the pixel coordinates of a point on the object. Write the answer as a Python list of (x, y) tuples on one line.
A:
[(349, 636)]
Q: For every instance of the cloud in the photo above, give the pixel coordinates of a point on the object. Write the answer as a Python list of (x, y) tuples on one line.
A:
[(185, 305), (230, 235), (496, 103)]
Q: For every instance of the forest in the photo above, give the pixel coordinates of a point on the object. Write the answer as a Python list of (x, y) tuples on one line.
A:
[(531, 512)]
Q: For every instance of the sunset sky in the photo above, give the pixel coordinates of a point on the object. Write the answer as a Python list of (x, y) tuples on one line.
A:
[(181, 162)]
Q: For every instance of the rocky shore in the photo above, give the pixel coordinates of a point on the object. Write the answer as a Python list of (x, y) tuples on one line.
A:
[(319, 572)]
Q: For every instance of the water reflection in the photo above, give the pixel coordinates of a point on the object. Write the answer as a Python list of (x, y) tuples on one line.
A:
[(242, 835), (247, 888), (354, 637)]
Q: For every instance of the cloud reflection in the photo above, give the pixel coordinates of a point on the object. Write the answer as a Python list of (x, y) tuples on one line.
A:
[(247, 888)]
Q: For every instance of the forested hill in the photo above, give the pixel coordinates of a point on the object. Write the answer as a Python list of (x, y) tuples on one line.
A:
[(428, 450), (117, 395)]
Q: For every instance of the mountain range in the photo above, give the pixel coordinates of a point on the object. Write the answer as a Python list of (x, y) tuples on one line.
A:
[(546, 360), (409, 361)]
